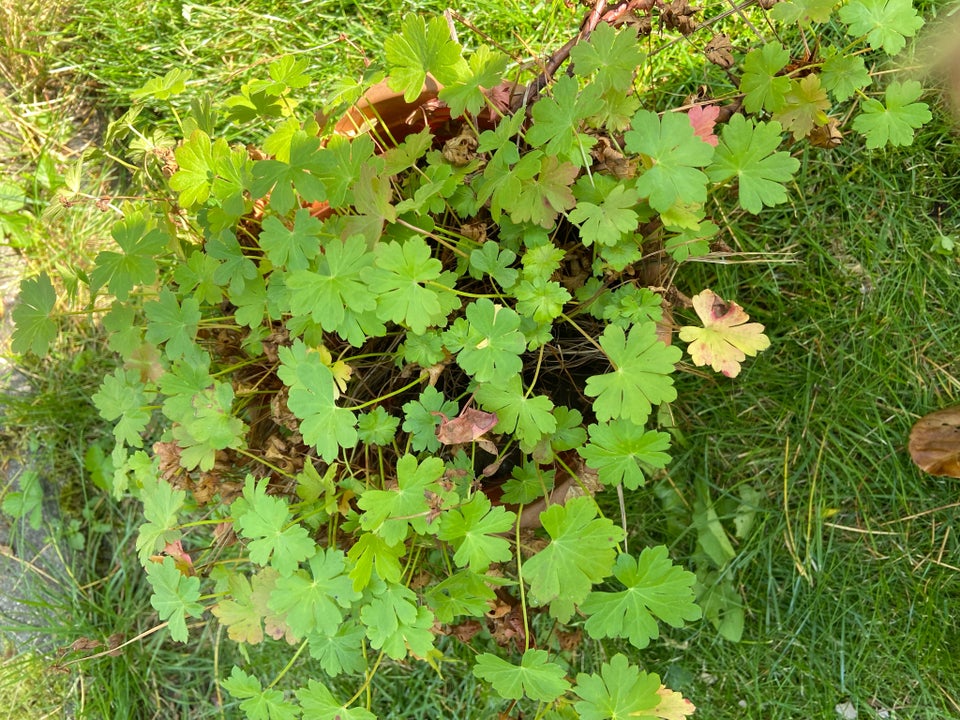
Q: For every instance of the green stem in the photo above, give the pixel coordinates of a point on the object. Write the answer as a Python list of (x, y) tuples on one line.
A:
[(523, 593), (406, 387), (286, 668)]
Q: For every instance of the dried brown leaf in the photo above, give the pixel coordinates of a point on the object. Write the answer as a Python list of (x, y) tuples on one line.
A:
[(935, 442)]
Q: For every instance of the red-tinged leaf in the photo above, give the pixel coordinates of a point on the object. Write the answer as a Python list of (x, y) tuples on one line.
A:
[(468, 426), (703, 118), (726, 337)]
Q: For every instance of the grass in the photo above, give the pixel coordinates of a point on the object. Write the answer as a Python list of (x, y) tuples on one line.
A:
[(850, 576)]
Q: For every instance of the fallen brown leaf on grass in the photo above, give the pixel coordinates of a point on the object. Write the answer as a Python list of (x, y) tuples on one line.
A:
[(935, 442)]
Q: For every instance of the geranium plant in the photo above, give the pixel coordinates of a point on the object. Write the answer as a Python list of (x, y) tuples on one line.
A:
[(375, 370)]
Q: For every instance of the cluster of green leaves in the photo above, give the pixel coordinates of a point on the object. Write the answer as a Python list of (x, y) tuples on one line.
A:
[(325, 297)]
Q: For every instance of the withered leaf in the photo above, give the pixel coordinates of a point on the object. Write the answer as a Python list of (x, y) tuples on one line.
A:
[(467, 427), (719, 51), (935, 442)]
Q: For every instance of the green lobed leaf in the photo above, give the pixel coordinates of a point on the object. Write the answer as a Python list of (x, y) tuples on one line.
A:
[(463, 593), (259, 703), (312, 398), (173, 323), (640, 377), (161, 506), (529, 417), (141, 241), (422, 47), (613, 56), (804, 106), (580, 554), (894, 121), (487, 342), (536, 677), (423, 415), (620, 691), (620, 451), (748, 153), (885, 23), (674, 154), (335, 285), (122, 399), (397, 624), (35, 328), (291, 248), (377, 427), (340, 653), (486, 69), (266, 521), (197, 161), (315, 601), (405, 276), (388, 513), (210, 427), (318, 703), (300, 172), (843, 74), (173, 83), (655, 589), (372, 553), (474, 531), (174, 596), (557, 119), (607, 222), (541, 191), (763, 88)]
